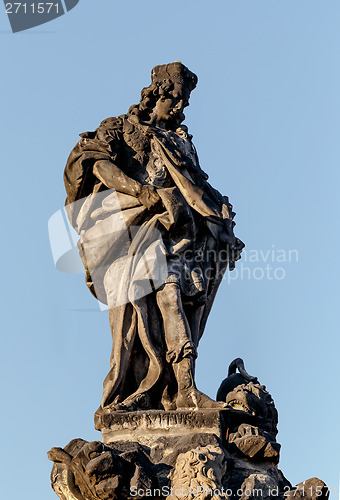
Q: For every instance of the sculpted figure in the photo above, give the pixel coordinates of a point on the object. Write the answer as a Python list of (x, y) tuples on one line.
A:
[(155, 240), (198, 475)]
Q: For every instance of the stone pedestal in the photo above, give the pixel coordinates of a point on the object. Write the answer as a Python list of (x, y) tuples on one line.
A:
[(148, 427), (182, 455)]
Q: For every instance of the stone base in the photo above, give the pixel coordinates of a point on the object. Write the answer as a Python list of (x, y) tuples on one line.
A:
[(148, 427), (214, 453), (125, 470)]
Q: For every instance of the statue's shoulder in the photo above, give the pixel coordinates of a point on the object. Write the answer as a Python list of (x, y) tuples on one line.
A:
[(112, 123), (124, 129), (101, 144), (110, 129)]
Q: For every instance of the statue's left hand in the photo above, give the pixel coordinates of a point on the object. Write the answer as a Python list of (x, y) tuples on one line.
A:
[(149, 196)]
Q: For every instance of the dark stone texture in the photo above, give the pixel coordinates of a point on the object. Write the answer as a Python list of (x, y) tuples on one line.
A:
[(124, 468), (312, 489), (240, 457), (135, 190), (148, 426), (155, 240), (93, 470)]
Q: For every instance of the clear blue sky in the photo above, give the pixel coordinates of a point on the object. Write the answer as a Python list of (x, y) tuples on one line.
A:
[(266, 123)]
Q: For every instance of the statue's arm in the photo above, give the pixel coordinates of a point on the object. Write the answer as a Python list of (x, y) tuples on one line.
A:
[(114, 178)]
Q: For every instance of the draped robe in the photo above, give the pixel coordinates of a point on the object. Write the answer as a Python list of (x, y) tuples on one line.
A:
[(118, 235)]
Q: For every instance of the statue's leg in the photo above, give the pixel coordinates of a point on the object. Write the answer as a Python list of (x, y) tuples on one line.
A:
[(181, 349), (188, 394), (195, 315)]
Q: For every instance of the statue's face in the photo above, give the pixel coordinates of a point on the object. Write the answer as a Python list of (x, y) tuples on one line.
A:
[(169, 107)]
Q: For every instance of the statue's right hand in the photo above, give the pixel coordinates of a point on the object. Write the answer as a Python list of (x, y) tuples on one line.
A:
[(148, 196)]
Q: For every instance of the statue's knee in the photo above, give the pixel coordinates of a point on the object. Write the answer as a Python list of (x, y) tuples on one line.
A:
[(183, 349), (167, 297)]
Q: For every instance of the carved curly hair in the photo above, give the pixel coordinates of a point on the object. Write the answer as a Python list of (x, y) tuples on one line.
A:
[(149, 98), (198, 473)]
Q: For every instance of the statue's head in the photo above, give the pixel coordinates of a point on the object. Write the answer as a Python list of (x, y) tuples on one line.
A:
[(167, 96)]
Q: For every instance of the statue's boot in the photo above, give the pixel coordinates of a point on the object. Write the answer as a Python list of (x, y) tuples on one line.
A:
[(188, 395), (132, 403)]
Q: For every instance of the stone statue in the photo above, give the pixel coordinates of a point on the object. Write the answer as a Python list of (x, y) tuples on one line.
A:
[(155, 240), (135, 190)]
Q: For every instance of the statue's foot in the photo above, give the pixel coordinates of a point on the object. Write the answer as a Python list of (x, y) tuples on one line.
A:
[(192, 398), (133, 403)]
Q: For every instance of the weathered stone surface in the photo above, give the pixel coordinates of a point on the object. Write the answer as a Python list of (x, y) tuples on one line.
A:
[(311, 489), (166, 451), (234, 379), (247, 479), (203, 454), (155, 240), (198, 473), (199, 464), (147, 427), (253, 442), (110, 489), (95, 471), (252, 423)]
